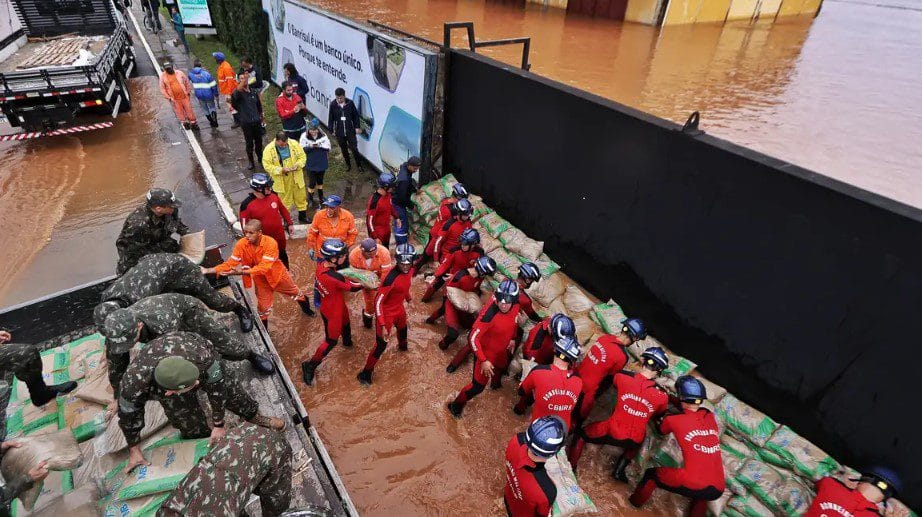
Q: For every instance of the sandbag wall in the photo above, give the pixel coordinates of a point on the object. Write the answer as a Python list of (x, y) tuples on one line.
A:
[(770, 470)]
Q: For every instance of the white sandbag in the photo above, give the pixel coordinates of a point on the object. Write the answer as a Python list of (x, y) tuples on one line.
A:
[(746, 421), (192, 246), (463, 300), (547, 290), (576, 301), (113, 439), (96, 388), (488, 243), (571, 499), (368, 279), (517, 242), (171, 459), (59, 449), (81, 502), (585, 328)]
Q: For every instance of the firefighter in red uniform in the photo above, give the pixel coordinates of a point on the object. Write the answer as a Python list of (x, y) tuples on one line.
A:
[(554, 389), (529, 491), (380, 210), (265, 205), (332, 287), (467, 280), (875, 486), (701, 477), (528, 275), (491, 340), (639, 400), (389, 309), (446, 207), (605, 359), (460, 257), (450, 234), (539, 347)]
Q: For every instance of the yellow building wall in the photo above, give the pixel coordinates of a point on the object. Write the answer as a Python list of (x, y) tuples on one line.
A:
[(799, 7), (713, 11), (642, 11), (769, 9), (811, 7), (680, 12), (742, 9)]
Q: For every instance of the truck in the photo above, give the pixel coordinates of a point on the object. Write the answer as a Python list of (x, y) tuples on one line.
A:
[(63, 58)]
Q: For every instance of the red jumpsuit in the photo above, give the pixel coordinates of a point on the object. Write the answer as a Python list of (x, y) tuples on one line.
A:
[(332, 287), (378, 215), (539, 346), (456, 260), (552, 390), (444, 215), (833, 498), (639, 400), (453, 316), (270, 211), (529, 490), (702, 476), (390, 312), (489, 340), (450, 236), (604, 359), (528, 307)]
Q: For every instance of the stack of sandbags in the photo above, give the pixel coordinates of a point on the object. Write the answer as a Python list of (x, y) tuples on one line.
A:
[(571, 499), (515, 241), (578, 306), (787, 450), (112, 439), (782, 494), (546, 290)]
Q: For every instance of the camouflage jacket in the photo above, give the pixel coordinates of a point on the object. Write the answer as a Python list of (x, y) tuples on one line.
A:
[(156, 273), (138, 385), (144, 233), (11, 490)]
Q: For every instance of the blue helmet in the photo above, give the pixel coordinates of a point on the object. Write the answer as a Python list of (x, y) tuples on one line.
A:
[(459, 191), (529, 271), (634, 327), (567, 348), (655, 358), (464, 207), (690, 390), (332, 248), (406, 253), (386, 180), (508, 292), (546, 435), (884, 479), (561, 325), (260, 181), (469, 237), (485, 266)]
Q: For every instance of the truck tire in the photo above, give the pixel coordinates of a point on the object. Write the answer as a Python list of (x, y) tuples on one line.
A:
[(124, 93)]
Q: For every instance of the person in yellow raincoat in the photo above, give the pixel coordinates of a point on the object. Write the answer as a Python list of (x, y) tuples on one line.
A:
[(284, 160)]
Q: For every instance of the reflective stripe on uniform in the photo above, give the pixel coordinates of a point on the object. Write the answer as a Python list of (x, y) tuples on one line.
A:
[(267, 257), (204, 86)]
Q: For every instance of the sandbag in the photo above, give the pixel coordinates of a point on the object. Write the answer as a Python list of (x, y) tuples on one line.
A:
[(734, 454), (679, 366), (59, 449), (96, 388), (799, 454), (571, 499), (585, 329), (84, 419), (715, 392), (447, 182), (547, 290), (137, 507), (546, 266), (716, 507), (463, 300), (780, 493), (171, 460), (507, 263), (746, 506), (576, 301), (609, 316), (424, 204), (81, 502), (750, 423), (192, 246), (493, 224), (368, 279), (896, 508), (35, 500), (522, 245), (488, 243), (480, 209), (434, 192), (23, 418), (113, 439)]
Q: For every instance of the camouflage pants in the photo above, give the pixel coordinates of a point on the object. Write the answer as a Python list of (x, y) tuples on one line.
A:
[(223, 341), (193, 283), (186, 414), (25, 363)]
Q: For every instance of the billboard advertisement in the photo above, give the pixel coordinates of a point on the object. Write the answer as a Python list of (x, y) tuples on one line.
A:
[(384, 77), (196, 16)]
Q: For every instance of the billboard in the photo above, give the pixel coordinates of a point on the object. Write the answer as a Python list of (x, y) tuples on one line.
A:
[(196, 16), (390, 81)]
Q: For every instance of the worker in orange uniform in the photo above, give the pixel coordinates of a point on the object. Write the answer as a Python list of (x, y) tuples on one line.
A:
[(177, 88), (370, 256), (256, 257), (333, 222), (227, 81)]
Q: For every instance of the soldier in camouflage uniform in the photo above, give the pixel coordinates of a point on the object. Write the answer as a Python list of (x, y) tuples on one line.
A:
[(149, 229), (25, 363), (171, 369), (251, 460), (157, 315), (165, 273)]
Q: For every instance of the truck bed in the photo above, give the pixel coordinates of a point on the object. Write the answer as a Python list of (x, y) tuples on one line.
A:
[(61, 52)]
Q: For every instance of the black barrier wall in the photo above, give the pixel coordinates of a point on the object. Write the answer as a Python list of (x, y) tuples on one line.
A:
[(800, 294)]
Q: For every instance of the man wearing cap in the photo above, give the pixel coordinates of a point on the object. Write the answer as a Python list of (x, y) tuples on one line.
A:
[(149, 229), (171, 369), (402, 198), (331, 222), (176, 88), (370, 256), (157, 315), (875, 486)]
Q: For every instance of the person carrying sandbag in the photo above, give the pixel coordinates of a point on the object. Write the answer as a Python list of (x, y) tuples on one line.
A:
[(539, 346), (374, 257), (467, 280), (553, 389), (529, 490), (876, 485), (449, 235), (639, 401), (460, 257), (445, 212), (606, 358), (12, 488)]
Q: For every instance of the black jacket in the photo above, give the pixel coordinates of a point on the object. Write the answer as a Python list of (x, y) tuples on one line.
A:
[(343, 121), (248, 105), (405, 188)]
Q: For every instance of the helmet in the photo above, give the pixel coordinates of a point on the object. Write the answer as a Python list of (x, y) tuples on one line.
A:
[(885, 479), (406, 253), (102, 311), (561, 325), (386, 180), (508, 292), (470, 237), (485, 266), (459, 191), (332, 248), (690, 389), (162, 197), (545, 436), (655, 358), (634, 327), (120, 329), (260, 181), (529, 271), (464, 207), (567, 348)]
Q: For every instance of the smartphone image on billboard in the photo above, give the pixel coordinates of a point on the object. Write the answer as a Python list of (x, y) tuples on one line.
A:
[(366, 115), (399, 138), (278, 14), (387, 61)]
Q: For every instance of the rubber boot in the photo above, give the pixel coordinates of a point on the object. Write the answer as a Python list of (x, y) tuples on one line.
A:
[(302, 216), (306, 307), (311, 203), (347, 336), (213, 119), (194, 126), (266, 325), (402, 339), (320, 197), (41, 393), (364, 377), (455, 408), (308, 368), (185, 125), (246, 319), (366, 319), (261, 363), (619, 472)]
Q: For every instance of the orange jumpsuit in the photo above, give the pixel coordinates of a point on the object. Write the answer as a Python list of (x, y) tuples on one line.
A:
[(266, 271), (177, 88), (323, 228), (380, 264)]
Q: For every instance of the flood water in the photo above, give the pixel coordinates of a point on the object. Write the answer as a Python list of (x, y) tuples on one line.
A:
[(837, 94)]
